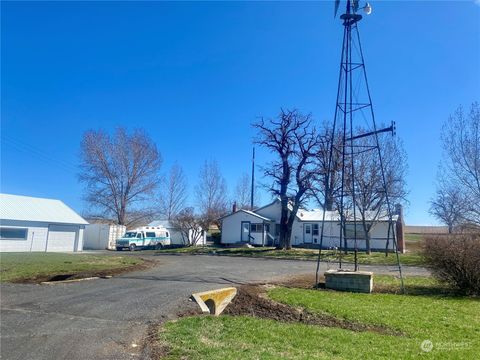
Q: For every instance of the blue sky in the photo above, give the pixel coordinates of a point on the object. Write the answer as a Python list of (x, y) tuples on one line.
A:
[(195, 75)]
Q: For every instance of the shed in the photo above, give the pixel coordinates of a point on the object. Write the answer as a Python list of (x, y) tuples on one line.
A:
[(102, 236), (37, 224), (244, 226)]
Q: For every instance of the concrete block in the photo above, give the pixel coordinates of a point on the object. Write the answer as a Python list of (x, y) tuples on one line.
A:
[(354, 281)]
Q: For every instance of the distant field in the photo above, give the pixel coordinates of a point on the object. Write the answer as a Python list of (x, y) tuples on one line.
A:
[(413, 229)]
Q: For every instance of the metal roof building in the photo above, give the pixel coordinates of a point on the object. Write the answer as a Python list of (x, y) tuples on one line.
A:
[(37, 224)]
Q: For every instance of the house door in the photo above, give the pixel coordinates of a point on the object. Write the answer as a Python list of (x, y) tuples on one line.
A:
[(307, 233), (245, 231)]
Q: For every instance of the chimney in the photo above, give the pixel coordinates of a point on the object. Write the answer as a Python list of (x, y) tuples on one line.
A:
[(400, 229), (234, 207)]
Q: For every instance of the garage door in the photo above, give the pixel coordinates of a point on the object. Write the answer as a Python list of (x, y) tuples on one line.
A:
[(61, 238)]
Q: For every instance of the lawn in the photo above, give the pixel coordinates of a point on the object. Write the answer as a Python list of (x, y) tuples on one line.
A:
[(300, 254), (34, 267), (451, 323)]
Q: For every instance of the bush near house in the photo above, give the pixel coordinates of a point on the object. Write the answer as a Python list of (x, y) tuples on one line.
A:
[(455, 259)]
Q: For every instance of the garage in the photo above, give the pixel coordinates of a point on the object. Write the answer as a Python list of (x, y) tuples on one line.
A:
[(29, 224), (61, 238)]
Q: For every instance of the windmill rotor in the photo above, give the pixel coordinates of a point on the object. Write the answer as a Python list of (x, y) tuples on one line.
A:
[(352, 6)]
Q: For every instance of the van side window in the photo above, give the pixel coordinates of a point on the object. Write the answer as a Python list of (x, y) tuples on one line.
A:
[(139, 235), (167, 234), (150, 234)]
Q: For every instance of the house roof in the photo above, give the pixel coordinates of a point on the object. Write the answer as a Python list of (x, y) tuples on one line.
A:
[(317, 215), (248, 212), (27, 208)]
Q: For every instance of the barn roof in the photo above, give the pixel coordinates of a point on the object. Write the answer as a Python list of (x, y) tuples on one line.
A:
[(27, 208)]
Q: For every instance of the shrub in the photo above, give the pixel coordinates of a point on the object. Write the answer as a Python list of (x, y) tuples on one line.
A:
[(455, 259), (216, 238)]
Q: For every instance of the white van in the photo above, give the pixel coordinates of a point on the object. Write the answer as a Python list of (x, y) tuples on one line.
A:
[(147, 237)]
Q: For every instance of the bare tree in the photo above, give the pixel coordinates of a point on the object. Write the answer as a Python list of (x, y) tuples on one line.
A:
[(461, 166), (370, 196), (173, 192), (190, 226), (243, 192), (211, 193), (449, 205), (120, 174), (294, 142), (326, 194)]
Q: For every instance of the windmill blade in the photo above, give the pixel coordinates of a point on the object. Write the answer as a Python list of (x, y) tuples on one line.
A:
[(337, 4)]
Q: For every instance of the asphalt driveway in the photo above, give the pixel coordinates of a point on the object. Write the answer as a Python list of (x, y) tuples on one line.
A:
[(109, 318)]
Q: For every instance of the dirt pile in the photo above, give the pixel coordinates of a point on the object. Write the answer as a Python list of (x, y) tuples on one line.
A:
[(252, 301)]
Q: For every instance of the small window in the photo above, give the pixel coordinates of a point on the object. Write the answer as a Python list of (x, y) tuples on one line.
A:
[(150, 234), (315, 229), (167, 234), (13, 233), (256, 228), (307, 229)]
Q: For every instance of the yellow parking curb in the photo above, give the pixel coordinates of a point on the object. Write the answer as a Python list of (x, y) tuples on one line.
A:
[(214, 301)]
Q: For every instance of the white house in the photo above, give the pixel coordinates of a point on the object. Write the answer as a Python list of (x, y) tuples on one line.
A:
[(36, 224), (176, 237), (261, 227)]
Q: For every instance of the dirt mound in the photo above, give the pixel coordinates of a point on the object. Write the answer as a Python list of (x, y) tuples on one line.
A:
[(252, 301)]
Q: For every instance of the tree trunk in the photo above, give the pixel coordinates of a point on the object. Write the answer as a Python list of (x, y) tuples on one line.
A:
[(283, 224)]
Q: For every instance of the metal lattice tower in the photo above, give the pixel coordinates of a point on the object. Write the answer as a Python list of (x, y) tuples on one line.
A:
[(354, 110)]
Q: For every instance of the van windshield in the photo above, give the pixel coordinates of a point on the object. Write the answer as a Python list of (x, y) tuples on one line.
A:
[(130, 234)]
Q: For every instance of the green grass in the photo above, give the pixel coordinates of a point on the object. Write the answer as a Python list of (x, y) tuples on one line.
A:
[(414, 237), (16, 267), (451, 323), (300, 254)]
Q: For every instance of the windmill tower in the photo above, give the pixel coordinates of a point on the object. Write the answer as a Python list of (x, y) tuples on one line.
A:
[(354, 111)]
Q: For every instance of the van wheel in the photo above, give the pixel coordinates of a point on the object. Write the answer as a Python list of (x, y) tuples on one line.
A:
[(159, 247), (132, 247)]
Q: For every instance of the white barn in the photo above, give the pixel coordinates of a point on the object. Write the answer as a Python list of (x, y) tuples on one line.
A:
[(261, 227), (37, 224)]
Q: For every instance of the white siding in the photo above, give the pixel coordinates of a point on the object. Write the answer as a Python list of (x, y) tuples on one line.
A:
[(272, 211), (80, 239), (331, 235), (231, 228), (38, 235)]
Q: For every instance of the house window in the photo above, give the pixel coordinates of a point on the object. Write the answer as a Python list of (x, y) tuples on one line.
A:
[(350, 231), (13, 234), (256, 228), (315, 229)]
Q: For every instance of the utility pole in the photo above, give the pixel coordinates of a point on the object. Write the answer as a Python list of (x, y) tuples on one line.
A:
[(253, 180)]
